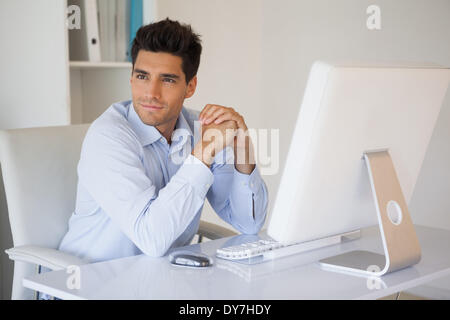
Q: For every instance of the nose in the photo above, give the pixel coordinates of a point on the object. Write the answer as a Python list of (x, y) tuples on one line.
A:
[(154, 89)]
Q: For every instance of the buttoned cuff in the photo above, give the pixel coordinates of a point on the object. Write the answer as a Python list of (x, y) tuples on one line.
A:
[(252, 181), (197, 174)]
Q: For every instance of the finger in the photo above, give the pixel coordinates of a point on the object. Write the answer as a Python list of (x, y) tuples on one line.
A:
[(204, 111), (207, 111), (210, 109), (213, 116), (200, 116), (234, 116), (225, 117)]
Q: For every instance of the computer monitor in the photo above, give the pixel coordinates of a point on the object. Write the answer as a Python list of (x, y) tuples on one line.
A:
[(326, 188)]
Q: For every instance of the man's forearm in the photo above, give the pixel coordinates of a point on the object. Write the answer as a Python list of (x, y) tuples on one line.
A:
[(243, 161), (244, 158)]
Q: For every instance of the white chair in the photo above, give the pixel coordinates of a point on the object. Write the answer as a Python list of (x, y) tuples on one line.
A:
[(40, 179)]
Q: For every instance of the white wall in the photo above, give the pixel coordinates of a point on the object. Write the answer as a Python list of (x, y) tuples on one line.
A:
[(31, 56), (258, 54), (295, 33), (298, 32), (33, 83)]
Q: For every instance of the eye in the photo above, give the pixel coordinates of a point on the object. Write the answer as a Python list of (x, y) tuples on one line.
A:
[(141, 76), (169, 80)]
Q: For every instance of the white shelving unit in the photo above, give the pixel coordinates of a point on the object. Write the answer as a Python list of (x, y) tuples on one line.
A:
[(93, 86), (88, 64)]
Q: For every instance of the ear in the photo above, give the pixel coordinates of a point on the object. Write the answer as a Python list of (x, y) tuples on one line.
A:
[(190, 90)]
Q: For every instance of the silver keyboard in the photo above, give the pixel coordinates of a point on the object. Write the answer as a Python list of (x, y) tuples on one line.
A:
[(248, 250), (272, 249)]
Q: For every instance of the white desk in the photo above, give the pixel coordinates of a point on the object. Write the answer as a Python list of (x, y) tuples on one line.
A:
[(294, 277)]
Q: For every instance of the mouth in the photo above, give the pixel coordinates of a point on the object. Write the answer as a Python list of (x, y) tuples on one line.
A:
[(151, 107)]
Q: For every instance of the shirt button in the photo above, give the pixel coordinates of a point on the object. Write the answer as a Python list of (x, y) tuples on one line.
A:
[(207, 185), (252, 184)]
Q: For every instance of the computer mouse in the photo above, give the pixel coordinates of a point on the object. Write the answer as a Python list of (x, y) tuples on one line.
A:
[(190, 259)]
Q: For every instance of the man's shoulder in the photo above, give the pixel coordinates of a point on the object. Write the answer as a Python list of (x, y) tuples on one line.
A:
[(115, 114), (191, 116), (113, 124)]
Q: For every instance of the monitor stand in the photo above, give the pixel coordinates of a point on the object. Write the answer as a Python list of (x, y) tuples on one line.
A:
[(400, 243)]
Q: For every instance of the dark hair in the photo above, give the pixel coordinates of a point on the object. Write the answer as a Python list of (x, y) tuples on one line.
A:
[(171, 37)]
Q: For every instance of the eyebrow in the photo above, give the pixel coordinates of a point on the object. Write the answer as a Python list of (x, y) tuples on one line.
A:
[(140, 71), (163, 75)]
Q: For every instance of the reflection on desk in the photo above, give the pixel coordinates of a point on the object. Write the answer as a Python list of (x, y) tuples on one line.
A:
[(294, 277)]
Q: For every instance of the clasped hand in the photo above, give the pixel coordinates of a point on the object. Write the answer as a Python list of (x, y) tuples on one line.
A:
[(222, 127)]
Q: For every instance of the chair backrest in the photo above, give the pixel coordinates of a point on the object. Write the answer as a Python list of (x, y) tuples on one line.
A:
[(39, 168), (40, 179)]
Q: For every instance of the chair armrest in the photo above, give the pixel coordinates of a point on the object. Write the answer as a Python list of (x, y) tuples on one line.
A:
[(46, 257), (213, 231), (57, 260)]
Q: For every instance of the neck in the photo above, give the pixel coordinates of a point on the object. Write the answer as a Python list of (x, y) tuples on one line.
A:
[(166, 130)]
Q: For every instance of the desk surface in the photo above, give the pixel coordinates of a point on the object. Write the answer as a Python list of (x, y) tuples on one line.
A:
[(295, 277)]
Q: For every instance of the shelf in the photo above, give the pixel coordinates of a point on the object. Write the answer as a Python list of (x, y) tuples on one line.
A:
[(88, 64)]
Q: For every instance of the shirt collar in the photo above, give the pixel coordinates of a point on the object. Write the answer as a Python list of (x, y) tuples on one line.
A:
[(182, 128), (149, 134)]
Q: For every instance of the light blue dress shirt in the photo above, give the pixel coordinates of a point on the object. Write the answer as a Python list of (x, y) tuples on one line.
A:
[(138, 194)]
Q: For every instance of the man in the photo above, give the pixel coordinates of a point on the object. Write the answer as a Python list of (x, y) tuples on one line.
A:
[(142, 177)]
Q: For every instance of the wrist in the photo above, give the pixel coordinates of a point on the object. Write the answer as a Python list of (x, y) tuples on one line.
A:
[(245, 168), (244, 156), (204, 151)]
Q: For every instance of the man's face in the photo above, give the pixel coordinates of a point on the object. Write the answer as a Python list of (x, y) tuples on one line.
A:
[(158, 88)]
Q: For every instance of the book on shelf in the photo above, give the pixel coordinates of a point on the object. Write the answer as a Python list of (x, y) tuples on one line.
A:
[(92, 32), (107, 29), (84, 43), (123, 27), (136, 17)]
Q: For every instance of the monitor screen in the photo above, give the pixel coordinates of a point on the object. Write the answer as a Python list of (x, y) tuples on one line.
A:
[(346, 111)]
